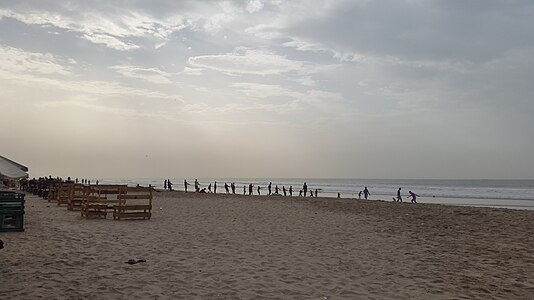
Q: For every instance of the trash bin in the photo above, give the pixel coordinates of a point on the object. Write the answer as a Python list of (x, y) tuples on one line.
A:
[(11, 211)]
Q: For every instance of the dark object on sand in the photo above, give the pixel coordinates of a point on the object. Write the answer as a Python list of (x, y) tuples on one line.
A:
[(11, 211), (1, 244), (133, 261)]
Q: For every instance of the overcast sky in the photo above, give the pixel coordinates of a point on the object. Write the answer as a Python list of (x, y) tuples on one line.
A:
[(269, 88)]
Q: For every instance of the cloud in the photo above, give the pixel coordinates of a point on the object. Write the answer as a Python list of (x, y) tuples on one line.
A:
[(254, 6), (250, 62), (32, 68), (19, 61), (153, 75)]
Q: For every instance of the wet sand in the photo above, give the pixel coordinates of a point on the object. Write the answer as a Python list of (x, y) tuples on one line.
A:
[(205, 246)]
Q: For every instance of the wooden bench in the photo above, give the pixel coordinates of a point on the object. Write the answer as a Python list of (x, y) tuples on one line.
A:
[(53, 192), (134, 203), (97, 202), (63, 193), (77, 194)]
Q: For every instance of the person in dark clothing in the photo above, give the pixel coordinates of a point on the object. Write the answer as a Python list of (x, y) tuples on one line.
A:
[(316, 193), (291, 190), (284, 190), (305, 189), (244, 190), (259, 188), (226, 188), (399, 197), (413, 195), (250, 186), (276, 189), (269, 187), (165, 184), (186, 184), (209, 188), (366, 193), (169, 184), (215, 188), (233, 187)]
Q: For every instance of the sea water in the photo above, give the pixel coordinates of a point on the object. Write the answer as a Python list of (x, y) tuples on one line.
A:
[(495, 193)]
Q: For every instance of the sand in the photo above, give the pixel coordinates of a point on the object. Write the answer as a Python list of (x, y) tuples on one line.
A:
[(205, 246)]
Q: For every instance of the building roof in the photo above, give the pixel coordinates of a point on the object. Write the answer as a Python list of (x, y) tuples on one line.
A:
[(11, 169)]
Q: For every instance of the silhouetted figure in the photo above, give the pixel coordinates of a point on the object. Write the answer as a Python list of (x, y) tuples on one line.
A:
[(169, 184), (399, 197), (186, 184), (209, 188), (269, 187), (316, 193), (366, 193), (259, 188), (311, 193), (226, 188), (76, 180), (232, 185), (197, 186), (276, 189), (250, 186), (244, 190), (202, 191), (300, 193), (413, 195), (338, 195), (291, 190), (284, 190), (305, 189), (360, 195), (215, 188)]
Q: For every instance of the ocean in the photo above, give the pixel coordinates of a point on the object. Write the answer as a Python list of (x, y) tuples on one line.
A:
[(516, 194)]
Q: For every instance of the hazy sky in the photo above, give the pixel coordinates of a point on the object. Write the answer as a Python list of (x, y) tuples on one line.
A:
[(269, 88)]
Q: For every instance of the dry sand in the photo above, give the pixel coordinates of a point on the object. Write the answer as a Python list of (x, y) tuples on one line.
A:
[(200, 246)]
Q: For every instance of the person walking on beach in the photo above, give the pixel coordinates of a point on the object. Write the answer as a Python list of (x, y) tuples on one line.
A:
[(366, 193), (269, 187), (209, 188), (305, 188), (165, 184), (169, 184), (196, 185), (311, 193), (186, 184), (316, 192), (226, 188), (232, 185), (291, 191), (399, 197), (284, 190), (259, 188), (215, 188), (360, 195), (276, 190), (244, 190), (300, 193), (250, 186), (413, 195)]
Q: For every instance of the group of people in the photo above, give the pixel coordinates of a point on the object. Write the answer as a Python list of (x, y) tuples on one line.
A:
[(231, 188), (399, 197)]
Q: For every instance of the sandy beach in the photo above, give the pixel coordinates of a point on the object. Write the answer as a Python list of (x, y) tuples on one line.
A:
[(205, 246)]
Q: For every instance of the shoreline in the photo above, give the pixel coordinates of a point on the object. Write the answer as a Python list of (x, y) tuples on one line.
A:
[(222, 246)]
